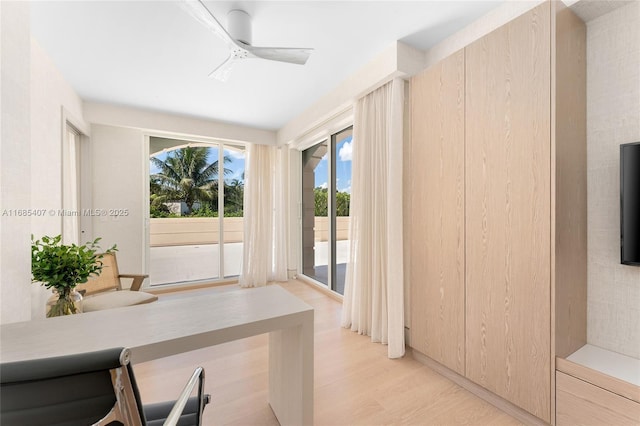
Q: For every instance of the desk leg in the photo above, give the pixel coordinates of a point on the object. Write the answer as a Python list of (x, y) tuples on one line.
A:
[(291, 374)]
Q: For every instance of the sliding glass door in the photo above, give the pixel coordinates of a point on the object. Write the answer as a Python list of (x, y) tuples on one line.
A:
[(342, 144), (232, 206), (196, 210), (326, 193)]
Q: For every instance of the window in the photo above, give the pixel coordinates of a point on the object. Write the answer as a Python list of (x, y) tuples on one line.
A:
[(196, 196)]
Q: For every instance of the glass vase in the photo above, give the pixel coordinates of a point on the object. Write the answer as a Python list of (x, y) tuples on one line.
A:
[(64, 302)]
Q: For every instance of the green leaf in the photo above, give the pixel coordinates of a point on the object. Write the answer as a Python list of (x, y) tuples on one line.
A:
[(62, 267)]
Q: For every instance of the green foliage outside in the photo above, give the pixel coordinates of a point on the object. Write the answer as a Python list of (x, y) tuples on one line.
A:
[(321, 196), (186, 176), (162, 213), (233, 198), (322, 205), (206, 211), (157, 208), (343, 200)]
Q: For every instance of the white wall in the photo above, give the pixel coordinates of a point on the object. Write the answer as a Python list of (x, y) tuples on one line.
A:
[(15, 161), (119, 116), (50, 93), (613, 118), (33, 95), (118, 183), (398, 60)]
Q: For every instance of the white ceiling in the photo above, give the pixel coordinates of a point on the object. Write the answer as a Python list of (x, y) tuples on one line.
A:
[(154, 55), (590, 10)]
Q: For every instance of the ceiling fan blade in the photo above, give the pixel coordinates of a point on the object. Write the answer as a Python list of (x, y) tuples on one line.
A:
[(199, 11), (222, 72), (241, 49), (292, 55)]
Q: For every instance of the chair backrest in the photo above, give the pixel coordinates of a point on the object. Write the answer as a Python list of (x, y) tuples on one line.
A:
[(108, 280), (89, 388)]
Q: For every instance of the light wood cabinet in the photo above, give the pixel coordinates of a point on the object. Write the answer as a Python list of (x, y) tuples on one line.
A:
[(438, 165), (581, 403), (486, 254), (508, 234), (570, 273)]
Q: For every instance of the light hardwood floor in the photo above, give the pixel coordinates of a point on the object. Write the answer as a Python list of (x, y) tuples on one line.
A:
[(355, 382)]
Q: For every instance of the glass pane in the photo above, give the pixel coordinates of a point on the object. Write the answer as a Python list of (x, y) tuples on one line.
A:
[(315, 221), (233, 209), (342, 191), (184, 229)]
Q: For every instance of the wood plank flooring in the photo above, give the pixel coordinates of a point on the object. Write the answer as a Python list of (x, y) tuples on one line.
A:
[(355, 382)]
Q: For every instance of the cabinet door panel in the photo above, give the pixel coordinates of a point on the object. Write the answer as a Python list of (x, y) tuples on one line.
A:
[(508, 212), (437, 219)]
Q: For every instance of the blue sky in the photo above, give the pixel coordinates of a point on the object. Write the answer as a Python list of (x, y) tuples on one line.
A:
[(343, 167), (236, 165)]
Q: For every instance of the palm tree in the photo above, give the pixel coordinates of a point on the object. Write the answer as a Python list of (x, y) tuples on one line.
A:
[(186, 175), (233, 195)]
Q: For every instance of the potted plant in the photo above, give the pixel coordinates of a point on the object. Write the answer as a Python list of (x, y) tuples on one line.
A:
[(62, 267)]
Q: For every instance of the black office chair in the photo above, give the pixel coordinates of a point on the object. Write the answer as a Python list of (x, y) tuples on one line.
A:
[(86, 389)]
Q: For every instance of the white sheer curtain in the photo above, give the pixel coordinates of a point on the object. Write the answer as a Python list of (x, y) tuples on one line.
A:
[(374, 293), (264, 249)]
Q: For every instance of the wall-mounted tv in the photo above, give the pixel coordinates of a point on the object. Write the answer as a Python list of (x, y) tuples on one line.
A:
[(630, 203)]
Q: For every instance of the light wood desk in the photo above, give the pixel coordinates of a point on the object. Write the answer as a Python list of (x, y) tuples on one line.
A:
[(170, 327)]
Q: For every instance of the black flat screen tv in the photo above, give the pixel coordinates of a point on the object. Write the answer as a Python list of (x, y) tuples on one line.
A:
[(630, 203)]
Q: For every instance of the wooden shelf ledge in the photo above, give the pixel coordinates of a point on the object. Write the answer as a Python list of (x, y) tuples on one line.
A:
[(614, 372)]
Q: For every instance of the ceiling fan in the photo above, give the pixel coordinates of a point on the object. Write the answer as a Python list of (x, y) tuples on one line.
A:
[(237, 37)]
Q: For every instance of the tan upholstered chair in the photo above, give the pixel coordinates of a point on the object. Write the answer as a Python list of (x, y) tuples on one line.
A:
[(105, 291)]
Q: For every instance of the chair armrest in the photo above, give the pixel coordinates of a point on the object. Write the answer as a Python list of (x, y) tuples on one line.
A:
[(196, 378), (137, 280)]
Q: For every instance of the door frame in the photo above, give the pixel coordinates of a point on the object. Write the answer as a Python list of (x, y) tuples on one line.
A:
[(146, 220)]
